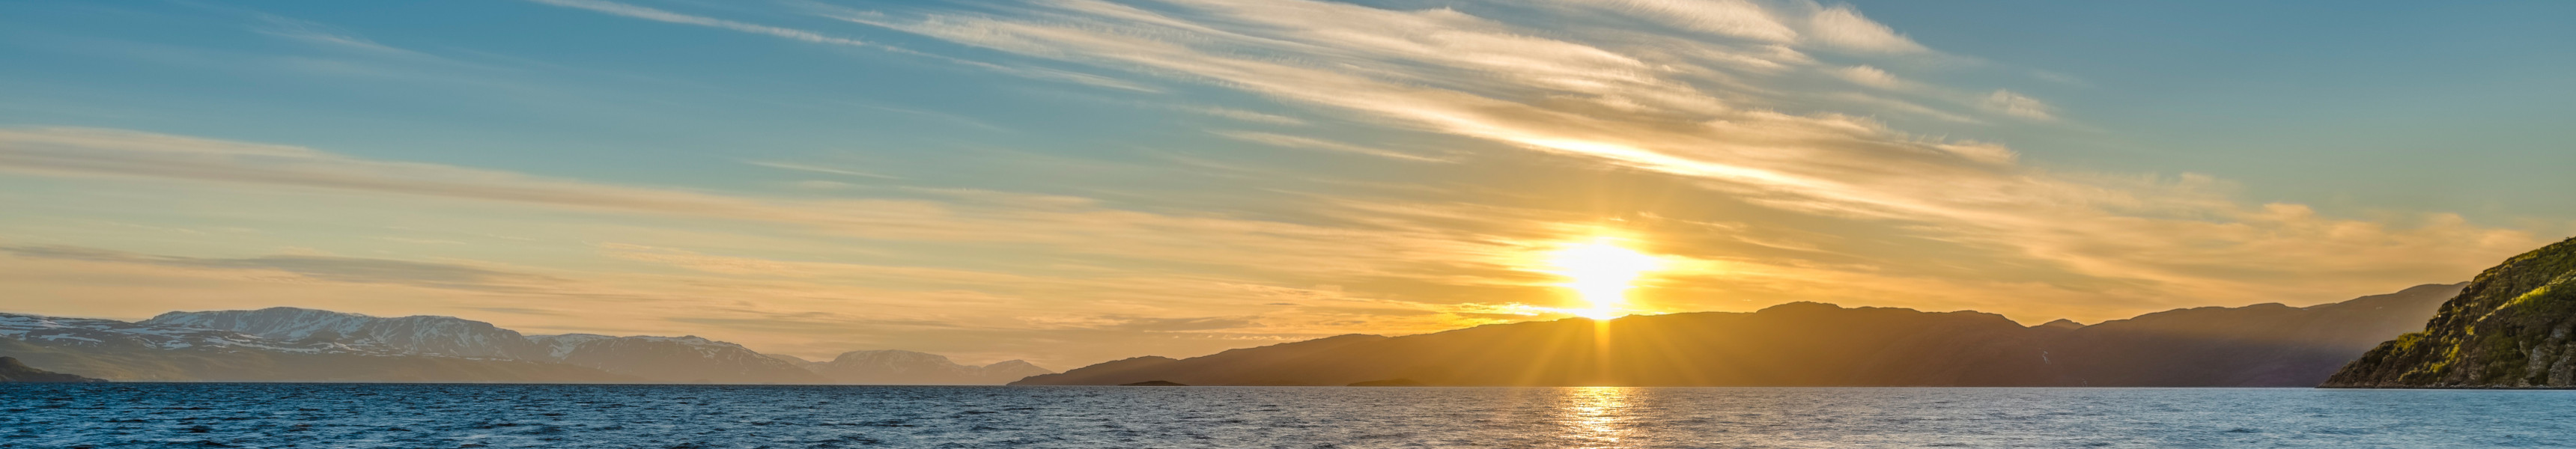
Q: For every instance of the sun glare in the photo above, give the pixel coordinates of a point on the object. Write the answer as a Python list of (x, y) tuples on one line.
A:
[(1601, 273)]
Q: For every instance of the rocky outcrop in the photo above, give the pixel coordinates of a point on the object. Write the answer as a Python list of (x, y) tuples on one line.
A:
[(2513, 327)]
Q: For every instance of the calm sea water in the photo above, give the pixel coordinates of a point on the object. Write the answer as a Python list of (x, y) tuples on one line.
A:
[(636, 416)]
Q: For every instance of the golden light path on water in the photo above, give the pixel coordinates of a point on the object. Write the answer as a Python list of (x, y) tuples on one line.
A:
[(1595, 417), (1600, 272)]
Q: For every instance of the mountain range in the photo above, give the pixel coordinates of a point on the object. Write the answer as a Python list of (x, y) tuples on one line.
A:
[(292, 344), (1812, 344), (1796, 344)]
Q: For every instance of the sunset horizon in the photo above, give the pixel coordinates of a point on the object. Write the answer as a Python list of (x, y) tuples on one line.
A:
[(1271, 193), (1207, 197)]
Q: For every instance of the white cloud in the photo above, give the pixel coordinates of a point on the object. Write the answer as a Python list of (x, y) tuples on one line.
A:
[(1932, 222), (1320, 144), (640, 12), (1842, 27), (2014, 104), (658, 15), (1446, 72), (1903, 106), (1070, 225), (1733, 18), (819, 169), (1239, 114), (1869, 76)]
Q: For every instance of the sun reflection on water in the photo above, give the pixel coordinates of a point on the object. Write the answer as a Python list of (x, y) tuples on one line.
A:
[(1595, 417)]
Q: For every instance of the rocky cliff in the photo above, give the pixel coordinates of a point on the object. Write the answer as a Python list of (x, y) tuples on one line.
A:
[(2511, 328)]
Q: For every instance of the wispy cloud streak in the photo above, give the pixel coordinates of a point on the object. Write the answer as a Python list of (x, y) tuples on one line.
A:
[(1448, 72), (646, 13)]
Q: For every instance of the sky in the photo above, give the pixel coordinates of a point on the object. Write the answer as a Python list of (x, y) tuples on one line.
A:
[(1075, 181)]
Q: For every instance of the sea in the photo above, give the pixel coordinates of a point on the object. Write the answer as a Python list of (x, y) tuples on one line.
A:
[(250, 415)]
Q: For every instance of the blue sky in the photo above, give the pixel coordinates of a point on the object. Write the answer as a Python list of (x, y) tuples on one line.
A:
[(2350, 106), (1069, 181)]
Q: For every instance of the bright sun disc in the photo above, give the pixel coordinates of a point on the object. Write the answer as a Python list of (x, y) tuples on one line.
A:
[(1601, 274)]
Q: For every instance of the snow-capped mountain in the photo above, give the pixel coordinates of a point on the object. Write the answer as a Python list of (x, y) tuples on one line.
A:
[(118, 350), (96, 333), (428, 335), (668, 359)]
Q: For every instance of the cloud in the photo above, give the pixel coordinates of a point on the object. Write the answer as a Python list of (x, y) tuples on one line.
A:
[(326, 35), (639, 12), (819, 169), (1069, 225), (1320, 144), (1590, 93), (1842, 27), (2014, 104), (1902, 106), (658, 15), (1733, 18), (519, 311), (1239, 114), (326, 268), (1150, 324), (1712, 146), (129, 154), (1869, 76)]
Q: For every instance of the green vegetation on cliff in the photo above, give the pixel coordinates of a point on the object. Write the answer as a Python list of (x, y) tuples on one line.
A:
[(2510, 328)]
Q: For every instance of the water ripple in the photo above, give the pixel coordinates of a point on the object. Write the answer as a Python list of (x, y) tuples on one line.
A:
[(672, 416)]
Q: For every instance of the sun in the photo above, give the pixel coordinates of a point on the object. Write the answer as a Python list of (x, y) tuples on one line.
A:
[(1601, 272)]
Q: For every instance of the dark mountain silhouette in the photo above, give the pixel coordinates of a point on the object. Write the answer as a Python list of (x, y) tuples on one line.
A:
[(128, 362), (1811, 344), (1790, 344), (2261, 345), (893, 367), (11, 370), (1798, 344), (2510, 328), (292, 344)]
